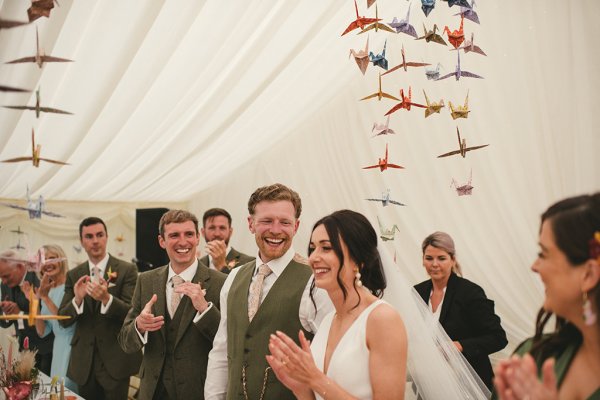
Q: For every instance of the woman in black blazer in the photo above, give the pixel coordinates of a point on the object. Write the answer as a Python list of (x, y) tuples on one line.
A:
[(461, 306)]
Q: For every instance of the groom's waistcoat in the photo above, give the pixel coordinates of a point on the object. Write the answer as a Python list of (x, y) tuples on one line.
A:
[(247, 342)]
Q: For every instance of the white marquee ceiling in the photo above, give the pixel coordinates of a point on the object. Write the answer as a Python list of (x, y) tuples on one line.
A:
[(199, 102)]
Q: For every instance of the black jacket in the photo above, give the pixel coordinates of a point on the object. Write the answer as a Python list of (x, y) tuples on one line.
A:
[(468, 317)]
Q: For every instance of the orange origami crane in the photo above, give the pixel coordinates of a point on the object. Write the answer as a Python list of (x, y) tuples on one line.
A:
[(457, 36), (359, 22), (33, 315), (406, 102), (383, 163)]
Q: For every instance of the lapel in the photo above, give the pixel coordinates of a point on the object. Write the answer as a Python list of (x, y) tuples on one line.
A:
[(448, 296), (204, 260), (188, 311), (159, 288)]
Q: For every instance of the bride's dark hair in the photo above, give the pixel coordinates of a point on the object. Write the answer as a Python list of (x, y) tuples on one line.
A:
[(361, 240)]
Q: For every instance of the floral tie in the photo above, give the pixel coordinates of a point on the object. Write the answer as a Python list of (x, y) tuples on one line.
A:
[(176, 280), (256, 290)]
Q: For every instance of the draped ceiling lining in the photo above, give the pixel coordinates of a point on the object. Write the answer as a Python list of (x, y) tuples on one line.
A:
[(196, 103)]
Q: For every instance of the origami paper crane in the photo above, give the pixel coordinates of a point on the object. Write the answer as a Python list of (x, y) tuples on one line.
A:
[(35, 155), (32, 316), (463, 149), (7, 24), (459, 111), (377, 25), (432, 36), (433, 73), (40, 8), (35, 208), (403, 25), (379, 59), (383, 163), (457, 36), (382, 129), (469, 13), (385, 199), (432, 107), (469, 45), (406, 102), (462, 3), (387, 233), (37, 108), (39, 58), (427, 6), (18, 246), (361, 57), (458, 72), (13, 89), (463, 190), (359, 22), (379, 94), (405, 64), (370, 3)]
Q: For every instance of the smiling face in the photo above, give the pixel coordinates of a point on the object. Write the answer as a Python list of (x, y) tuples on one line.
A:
[(326, 264), (52, 269), (561, 279), (217, 228), (438, 264), (93, 240), (274, 225), (180, 241)]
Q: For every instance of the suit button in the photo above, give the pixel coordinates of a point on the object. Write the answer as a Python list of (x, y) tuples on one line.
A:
[(248, 336), (246, 351)]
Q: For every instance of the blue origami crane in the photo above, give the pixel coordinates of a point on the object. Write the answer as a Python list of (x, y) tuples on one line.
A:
[(379, 60)]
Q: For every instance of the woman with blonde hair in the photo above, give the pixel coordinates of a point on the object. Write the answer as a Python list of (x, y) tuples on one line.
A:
[(50, 292), (461, 306)]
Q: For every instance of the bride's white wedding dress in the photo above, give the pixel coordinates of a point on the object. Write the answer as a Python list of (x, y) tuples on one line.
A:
[(349, 362)]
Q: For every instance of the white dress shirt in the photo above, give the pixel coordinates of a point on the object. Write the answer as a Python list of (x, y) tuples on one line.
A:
[(187, 275), (101, 267), (215, 387)]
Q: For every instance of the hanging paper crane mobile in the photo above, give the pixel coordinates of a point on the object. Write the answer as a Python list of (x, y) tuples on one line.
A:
[(37, 108), (458, 73), (379, 60), (382, 129), (377, 25), (457, 36), (359, 22), (432, 107), (459, 111), (387, 234), (403, 26), (406, 102), (469, 13), (33, 315), (427, 6), (432, 36), (35, 208), (383, 163), (469, 46), (462, 147), (385, 199), (361, 57), (35, 155), (404, 64), (463, 190), (380, 94)]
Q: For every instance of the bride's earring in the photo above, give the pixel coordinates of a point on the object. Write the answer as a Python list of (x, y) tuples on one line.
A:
[(589, 317), (357, 280)]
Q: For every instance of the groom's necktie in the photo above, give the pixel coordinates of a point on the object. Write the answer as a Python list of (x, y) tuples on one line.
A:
[(256, 290), (176, 280)]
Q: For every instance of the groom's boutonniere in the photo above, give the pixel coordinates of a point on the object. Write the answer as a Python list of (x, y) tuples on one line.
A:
[(112, 277)]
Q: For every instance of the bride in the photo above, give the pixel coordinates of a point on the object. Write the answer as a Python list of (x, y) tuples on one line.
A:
[(360, 350)]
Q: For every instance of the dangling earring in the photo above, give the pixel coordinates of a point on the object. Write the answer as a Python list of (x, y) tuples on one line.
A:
[(357, 280), (589, 318)]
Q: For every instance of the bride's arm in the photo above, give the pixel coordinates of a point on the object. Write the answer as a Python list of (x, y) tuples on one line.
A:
[(387, 343)]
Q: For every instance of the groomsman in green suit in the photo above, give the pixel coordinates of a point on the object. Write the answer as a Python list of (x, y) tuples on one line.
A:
[(174, 315), (260, 297), (97, 298), (217, 231)]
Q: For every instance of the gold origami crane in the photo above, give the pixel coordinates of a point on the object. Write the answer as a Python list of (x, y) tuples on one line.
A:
[(33, 315)]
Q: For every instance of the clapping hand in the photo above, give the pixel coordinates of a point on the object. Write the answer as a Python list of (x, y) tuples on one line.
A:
[(517, 378), (218, 251), (294, 366), (195, 292)]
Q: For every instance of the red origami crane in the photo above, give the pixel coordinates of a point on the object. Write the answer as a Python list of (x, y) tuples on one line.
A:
[(359, 22), (457, 36), (406, 102)]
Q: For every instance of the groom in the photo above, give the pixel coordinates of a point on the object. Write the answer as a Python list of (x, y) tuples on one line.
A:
[(271, 293)]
